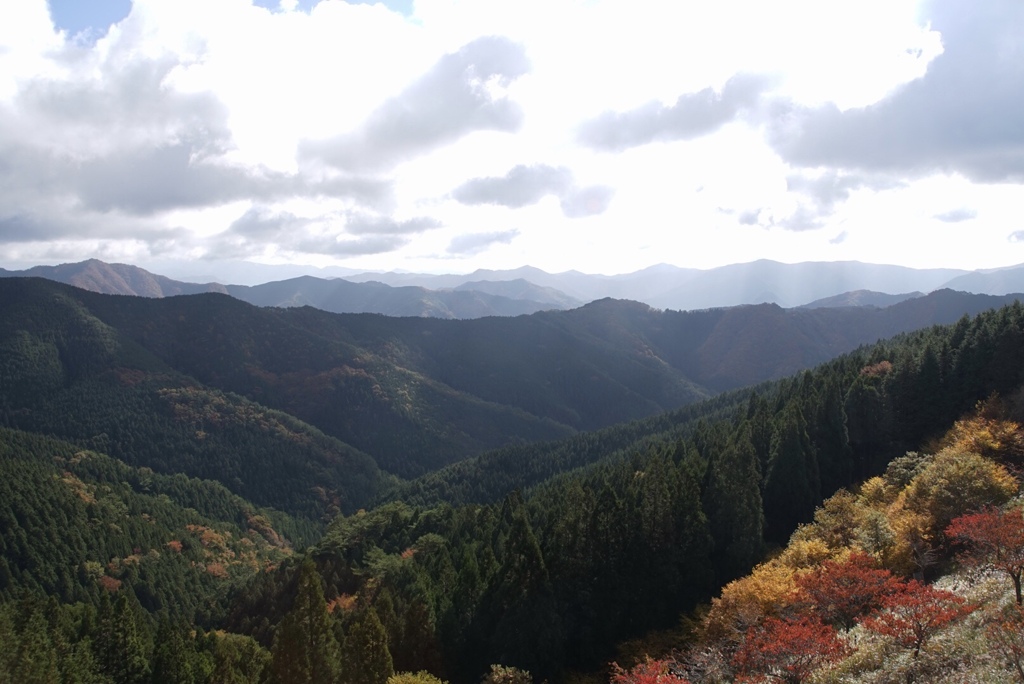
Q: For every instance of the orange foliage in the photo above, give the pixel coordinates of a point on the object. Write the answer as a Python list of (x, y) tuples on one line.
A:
[(343, 602), (766, 592), (841, 592), (647, 672), (876, 369), (789, 650), (915, 613), (217, 570), (110, 584)]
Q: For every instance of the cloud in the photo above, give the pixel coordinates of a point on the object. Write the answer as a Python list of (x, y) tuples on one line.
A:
[(1016, 236), (459, 95), (21, 227), (826, 189), (474, 243), (749, 218), (261, 227), (820, 192), (962, 116), (839, 239), (103, 157), (364, 224), (261, 222), (956, 215), (526, 185), (692, 116), (521, 186), (335, 246), (804, 218), (589, 201), (148, 180)]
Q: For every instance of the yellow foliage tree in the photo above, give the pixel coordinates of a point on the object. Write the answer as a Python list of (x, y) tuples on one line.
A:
[(765, 592), (988, 432), (957, 482)]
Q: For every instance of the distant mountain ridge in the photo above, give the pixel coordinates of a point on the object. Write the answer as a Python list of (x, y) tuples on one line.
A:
[(342, 296), (862, 298), (335, 295), (98, 276), (528, 290), (684, 289)]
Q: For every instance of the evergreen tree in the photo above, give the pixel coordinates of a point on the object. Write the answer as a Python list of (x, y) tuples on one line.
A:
[(35, 659), (238, 659), (830, 437), (305, 650), (792, 487), (172, 660), (8, 639), (119, 646), (366, 656), (732, 503)]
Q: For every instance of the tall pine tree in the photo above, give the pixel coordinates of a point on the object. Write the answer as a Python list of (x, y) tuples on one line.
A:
[(305, 650), (732, 503), (792, 486)]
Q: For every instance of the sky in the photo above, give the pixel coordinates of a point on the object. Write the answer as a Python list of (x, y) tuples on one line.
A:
[(443, 136)]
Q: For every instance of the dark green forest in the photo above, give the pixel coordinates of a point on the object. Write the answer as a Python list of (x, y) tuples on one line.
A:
[(195, 490)]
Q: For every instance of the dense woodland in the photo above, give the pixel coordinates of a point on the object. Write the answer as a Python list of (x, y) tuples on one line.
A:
[(162, 524)]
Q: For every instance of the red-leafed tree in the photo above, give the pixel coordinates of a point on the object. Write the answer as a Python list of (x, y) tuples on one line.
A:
[(648, 672), (992, 538), (915, 613), (1006, 635), (788, 650), (841, 592)]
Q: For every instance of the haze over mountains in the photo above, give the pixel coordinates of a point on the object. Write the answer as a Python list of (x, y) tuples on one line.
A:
[(528, 290)]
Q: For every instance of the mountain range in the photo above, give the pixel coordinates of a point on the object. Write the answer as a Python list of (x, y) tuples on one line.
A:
[(414, 394), (165, 455), (529, 290)]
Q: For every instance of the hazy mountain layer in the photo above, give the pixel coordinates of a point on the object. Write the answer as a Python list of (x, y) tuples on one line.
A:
[(341, 296), (862, 298), (670, 287)]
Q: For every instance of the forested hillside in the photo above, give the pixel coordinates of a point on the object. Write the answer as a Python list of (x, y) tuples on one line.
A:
[(551, 558), (556, 576), (65, 373), (417, 394)]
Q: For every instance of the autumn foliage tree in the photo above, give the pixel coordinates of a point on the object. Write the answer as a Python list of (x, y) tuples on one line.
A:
[(915, 613), (840, 592), (1006, 635), (789, 650), (992, 538), (649, 671)]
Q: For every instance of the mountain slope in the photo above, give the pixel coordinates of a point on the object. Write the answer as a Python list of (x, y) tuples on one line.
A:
[(123, 279), (64, 372), (341, 296), (419, 393), (996, 282), (523, 289), (78, 524), (862, 298)]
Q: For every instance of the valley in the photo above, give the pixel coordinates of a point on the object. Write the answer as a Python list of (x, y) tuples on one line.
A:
[(534, 491)]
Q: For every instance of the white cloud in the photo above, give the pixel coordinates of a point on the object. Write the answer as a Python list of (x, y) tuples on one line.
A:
[(611, 134)]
